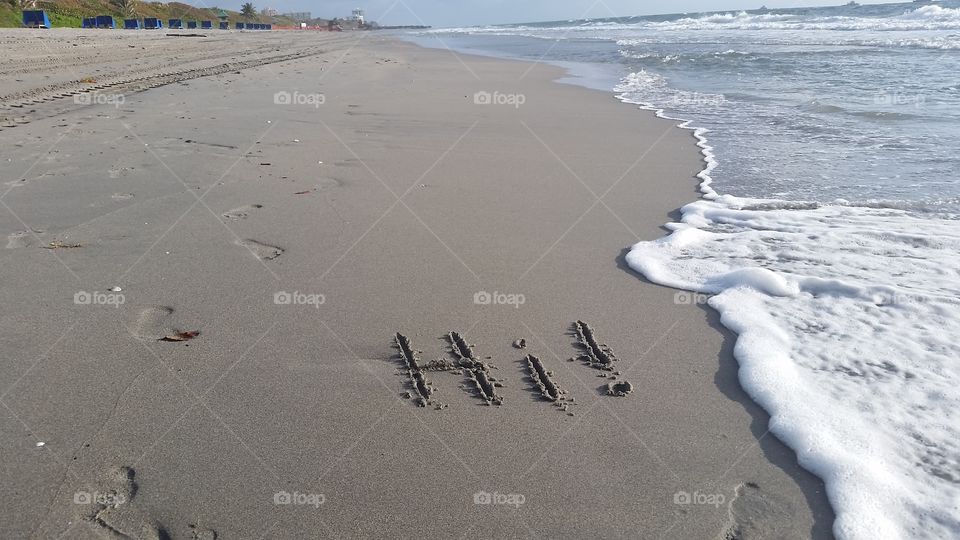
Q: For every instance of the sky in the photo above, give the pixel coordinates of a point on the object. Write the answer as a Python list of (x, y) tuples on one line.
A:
[(442, 13)]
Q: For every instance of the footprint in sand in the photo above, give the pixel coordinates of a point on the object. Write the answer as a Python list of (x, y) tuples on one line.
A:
[(327, 182), (109, 510), (116, 172), (242, 212), (756, 514), (16, 183), (264, 252), (348, 163), (153, 322), (199, 533), (21, 239)]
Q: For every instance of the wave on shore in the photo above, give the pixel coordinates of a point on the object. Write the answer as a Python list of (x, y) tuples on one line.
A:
[(846, 26), (846, 319)]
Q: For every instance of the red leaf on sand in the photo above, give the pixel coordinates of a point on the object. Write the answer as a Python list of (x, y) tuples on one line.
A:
[(181, 336)]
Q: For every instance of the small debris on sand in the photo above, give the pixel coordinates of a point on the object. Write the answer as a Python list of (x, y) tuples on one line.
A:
[(181, 336), (520, 344), (59, 244)]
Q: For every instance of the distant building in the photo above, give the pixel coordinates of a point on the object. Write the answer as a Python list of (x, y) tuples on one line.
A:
[(299, 16), (269, 12), (358, 16)]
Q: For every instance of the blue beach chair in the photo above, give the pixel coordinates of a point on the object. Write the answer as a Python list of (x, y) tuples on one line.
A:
[(105, 21), (89, 22), (224, 26), (175, 24), (131, 24), (238, 26), (36, 19), (206, 25), (191, 24), (268, 27), (152, 23)]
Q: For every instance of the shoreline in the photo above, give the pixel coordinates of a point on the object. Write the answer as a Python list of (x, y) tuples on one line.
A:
[(589, 75), (398, 228)]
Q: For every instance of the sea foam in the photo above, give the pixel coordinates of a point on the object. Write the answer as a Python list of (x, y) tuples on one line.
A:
[(847, 320), (924, 18), (781, 28)]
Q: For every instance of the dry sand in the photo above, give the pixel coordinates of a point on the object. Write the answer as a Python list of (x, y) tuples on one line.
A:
[(394, 202)]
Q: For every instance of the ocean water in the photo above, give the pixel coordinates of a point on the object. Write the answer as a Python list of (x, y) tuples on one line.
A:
[(828, 232)]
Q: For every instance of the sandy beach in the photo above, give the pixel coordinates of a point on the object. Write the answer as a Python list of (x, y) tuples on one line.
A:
[(214, 245)]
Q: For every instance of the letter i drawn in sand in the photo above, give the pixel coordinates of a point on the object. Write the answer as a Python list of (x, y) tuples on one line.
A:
[(599, 356)]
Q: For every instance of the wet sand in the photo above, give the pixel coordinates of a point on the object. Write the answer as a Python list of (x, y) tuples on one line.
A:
[(308, 216)]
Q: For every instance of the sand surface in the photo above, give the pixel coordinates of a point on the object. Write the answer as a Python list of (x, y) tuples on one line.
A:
[(382, 199)]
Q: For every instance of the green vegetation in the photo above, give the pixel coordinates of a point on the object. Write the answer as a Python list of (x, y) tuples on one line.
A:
[(58, 20), (69, 13), (9, 17)]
